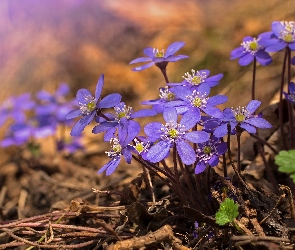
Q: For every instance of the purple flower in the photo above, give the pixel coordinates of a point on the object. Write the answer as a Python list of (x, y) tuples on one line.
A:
[(208, 153), (159, 57), (15, 107), (119, 148), (55, 104), (18, 134), (244, 116), (141, 146), (90, 106), (281, 36), (172, 132), (192, 102), (250, 48), (43, 126), (121, 120), (166, 95), (199, 79), (291, 96), (70, 145)]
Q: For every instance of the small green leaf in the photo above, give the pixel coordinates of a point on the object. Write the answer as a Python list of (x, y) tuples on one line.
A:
[(227, 212), (286, 161)]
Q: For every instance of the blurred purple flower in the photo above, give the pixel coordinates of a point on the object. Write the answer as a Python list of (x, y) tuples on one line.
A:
[(250, 48), (159, 57), (18, 134), (15, 107), (70, 145), (55, 104)]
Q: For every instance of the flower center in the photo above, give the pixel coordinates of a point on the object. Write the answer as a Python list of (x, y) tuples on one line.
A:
[(251, 46), (166, 94), (122, 112), (241, 114), (288, 34), (86, 109), (195, 78), (197, 100), (207, 150), (172, 131), (140, 147), (158, 53), (116, 148)]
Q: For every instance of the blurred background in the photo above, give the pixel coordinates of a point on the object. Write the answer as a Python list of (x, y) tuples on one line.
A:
[(46, 42)]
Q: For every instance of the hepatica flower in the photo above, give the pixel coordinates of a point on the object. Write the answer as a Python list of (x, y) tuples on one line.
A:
[(122, 120), (193, 102), (15, 108), (55, 104), (251, 48), (118, 149), (244, 116), (158, 57), (281, 36), (166, 95), (166, 135), (291, 95), (90, 105), (208, 153), (18, 134), (199, 79)]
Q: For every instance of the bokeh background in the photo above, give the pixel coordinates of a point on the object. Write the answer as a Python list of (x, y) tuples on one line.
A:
[(46, 42)]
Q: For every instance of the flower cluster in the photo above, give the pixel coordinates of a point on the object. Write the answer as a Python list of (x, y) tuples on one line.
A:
[(193, 124), (32, 118)]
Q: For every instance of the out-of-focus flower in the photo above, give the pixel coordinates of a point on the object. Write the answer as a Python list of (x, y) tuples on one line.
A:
[(15, 107), (70, 145), (17, 135), (55, 104), (251, 48), (159, 57)]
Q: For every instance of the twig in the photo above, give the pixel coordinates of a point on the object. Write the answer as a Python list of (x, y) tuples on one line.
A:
[(272, 211), (165, 233)]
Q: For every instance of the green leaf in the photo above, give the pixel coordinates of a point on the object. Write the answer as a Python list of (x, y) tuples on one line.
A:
[(286, 161), (227, 212)]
